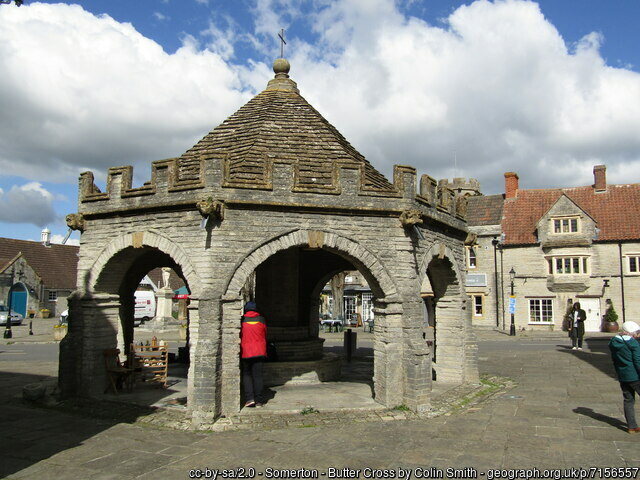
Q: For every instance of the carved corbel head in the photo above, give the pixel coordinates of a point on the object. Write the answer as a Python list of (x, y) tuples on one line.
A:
[(211, 208), (409, 218), (75, 221)]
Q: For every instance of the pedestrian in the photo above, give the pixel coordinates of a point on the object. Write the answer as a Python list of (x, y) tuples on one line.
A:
[(578, 316), (253, 352), (625, 352)]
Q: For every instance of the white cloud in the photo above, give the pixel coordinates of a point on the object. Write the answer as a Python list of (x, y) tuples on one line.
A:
[(29, 203), (57, 239), (85, 92), (495, 87), (161, 17)]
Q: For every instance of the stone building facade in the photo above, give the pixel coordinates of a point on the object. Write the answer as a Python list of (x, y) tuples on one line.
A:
[(564, 245), (269, 206), (44, 274)]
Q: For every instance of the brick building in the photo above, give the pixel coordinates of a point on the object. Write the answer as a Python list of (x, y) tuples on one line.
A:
[(564, 245), (269, 206)]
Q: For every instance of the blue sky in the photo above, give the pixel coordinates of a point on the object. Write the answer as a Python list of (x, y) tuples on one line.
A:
[(466, 89)]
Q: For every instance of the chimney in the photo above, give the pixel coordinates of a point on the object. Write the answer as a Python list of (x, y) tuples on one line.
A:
[(510, 184), (600, 178)]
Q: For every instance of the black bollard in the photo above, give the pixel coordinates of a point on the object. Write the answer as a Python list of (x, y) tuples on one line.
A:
[(30, 327), (350, 339)]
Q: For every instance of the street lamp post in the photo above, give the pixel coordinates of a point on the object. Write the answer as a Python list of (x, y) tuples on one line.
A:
[(512, 304), (496, 243)]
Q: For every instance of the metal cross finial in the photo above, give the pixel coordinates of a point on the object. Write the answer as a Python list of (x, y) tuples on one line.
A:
[(282, 42)]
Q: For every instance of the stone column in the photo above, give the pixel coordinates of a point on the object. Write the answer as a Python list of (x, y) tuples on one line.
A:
[(387, 345)]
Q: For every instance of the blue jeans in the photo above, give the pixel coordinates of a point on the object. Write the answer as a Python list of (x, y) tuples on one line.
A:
[(629, 390)]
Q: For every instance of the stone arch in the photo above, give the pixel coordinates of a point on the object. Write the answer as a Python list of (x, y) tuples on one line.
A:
[(147, 238), (381, 283), (388, 305), (101, 310), (451, 331)]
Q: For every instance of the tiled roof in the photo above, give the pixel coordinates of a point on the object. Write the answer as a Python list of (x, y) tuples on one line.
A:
[(57, 265), (613, 210), (485, 210), (279, 125)]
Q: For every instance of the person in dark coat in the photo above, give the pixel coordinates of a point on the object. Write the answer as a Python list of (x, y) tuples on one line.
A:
[(625, 352), (253, 352), (578, 316)]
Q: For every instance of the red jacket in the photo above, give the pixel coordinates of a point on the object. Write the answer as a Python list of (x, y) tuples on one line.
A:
[(253, 335)]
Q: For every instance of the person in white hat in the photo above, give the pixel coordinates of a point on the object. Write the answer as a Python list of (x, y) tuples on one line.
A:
[(625, 352)]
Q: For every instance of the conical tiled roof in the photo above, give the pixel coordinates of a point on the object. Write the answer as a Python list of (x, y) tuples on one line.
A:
[(279, 125)]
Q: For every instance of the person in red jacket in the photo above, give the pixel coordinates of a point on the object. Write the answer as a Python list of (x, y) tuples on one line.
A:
[(253, 351)]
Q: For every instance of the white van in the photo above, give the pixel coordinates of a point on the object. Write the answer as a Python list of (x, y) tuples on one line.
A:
[(145, 307)]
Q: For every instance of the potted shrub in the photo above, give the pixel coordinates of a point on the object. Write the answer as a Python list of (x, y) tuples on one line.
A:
[(59, 331), (610, 318), (45, 313)]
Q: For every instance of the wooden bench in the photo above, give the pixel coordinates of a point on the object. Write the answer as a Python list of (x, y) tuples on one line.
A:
[(150, 362)]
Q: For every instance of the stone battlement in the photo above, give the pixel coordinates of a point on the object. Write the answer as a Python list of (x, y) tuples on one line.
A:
[(286, 182)]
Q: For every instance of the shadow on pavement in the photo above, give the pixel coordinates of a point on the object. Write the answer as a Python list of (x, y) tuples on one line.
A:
[(33, 432), (596, 353), (614, 422)]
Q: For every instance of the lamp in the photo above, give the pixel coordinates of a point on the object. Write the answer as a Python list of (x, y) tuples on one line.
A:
[(496, 244), (512, 304)]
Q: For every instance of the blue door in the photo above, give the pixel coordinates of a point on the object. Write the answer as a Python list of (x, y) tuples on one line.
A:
[(19, 300)]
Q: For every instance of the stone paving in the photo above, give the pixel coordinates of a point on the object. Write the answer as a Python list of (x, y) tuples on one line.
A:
[(563, 411)]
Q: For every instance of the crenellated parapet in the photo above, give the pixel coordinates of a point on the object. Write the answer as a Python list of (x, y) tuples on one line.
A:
[(164, 176)]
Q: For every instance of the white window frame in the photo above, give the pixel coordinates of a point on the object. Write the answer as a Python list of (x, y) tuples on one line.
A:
[(367, 307), (633, 258), (576, 264), (469, 251), (541, 302), (477, 300), (52, 295), (565, 225)]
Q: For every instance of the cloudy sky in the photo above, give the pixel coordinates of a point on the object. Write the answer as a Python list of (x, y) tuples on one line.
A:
[(454, 88)]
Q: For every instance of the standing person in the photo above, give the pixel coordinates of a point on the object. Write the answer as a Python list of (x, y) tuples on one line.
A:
[(253, 351), (578, 316), (625, 352)]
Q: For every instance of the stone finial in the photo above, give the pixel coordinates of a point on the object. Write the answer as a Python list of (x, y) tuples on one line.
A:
[(75, 221), (211, 208), (409, 218), (281, 68)]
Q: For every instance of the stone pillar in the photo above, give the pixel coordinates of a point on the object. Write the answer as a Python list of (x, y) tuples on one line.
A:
[(387, 345), (203, 387), (93, 326), (230, 378)]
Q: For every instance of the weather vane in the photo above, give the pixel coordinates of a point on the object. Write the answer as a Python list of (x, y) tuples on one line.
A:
[(282, 42)]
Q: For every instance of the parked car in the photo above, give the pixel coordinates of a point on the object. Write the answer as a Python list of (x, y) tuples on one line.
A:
[(64, 317), (16, 318)]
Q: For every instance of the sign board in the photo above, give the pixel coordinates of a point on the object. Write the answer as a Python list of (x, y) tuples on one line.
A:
[(512, 305), (476, 279)]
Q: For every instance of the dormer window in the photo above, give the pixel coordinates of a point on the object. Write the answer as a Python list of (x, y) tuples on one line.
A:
[(566, 225)]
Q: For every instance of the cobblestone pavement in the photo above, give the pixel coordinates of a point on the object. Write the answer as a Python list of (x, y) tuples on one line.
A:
[(560, 409)]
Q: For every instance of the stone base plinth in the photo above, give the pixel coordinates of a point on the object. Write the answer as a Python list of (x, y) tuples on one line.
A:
[(326, 369), (298, 350), (160, 324)]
